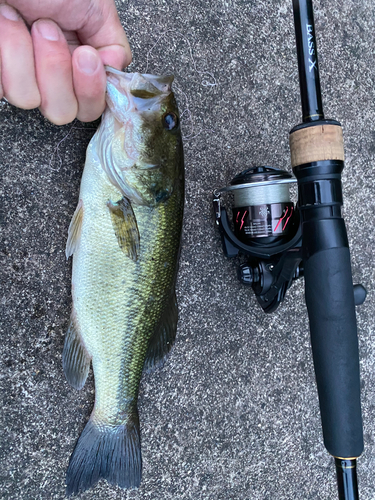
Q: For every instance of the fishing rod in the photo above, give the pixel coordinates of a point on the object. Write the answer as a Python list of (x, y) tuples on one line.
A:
[(282, 242), (317, 156)]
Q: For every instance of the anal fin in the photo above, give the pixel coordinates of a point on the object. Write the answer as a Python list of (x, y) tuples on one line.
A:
[(164, 336), (125, 227), (75, 359)]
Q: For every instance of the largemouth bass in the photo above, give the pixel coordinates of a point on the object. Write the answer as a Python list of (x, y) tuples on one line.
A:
[(124, 237)]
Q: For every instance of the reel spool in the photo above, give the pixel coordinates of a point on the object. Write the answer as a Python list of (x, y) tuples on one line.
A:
[(262, 211)]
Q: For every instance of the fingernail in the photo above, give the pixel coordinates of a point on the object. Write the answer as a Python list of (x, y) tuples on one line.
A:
[(48, 30), (87, 61), (9, 13)]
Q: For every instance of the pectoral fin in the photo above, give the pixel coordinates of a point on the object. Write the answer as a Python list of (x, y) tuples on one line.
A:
[(125, 227), (164, 336), (74, 231)]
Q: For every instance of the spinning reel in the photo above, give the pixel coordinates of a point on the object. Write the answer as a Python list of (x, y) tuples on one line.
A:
[(266, 229)]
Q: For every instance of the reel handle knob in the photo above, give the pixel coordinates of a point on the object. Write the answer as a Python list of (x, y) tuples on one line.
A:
[(245, 274), (248, 275)]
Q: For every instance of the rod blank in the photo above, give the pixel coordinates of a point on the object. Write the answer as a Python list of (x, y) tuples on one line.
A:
[(311, 97)]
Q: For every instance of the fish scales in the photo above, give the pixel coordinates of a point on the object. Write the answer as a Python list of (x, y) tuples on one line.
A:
[(124, 312), (113, 305)]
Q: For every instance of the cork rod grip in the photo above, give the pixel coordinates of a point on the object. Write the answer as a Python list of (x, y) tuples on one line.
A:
[(316, 143)]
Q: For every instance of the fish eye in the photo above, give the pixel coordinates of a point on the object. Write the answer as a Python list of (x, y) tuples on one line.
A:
[(170, 121)]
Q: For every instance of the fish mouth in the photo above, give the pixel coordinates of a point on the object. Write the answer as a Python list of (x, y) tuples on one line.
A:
[(142, 84), (135, 92)]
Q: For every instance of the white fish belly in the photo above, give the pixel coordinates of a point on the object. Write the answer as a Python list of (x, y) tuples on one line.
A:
[(104, 288)]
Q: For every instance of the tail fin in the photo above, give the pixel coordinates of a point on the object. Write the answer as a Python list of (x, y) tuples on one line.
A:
[(103, 451)]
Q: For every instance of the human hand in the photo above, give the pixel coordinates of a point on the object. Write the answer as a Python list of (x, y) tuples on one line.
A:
[(58, 65)]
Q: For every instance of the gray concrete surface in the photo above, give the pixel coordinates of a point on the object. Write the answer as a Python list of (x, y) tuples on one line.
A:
[(233, 415)]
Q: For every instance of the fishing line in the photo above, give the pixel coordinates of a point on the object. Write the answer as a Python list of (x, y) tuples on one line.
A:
[(56, 150), (209, 83), (204, 83), (262, 195), (189, 114)]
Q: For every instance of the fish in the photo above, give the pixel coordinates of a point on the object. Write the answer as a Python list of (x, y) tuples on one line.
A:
[(124, 237)]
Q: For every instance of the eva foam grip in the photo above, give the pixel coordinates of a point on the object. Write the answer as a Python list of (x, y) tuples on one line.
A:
[(330, 303)]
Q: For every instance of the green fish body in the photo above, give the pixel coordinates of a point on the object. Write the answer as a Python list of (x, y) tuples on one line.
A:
[(125, 239)]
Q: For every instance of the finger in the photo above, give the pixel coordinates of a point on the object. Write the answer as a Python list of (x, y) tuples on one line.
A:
[(17, 61), (54, 72), (1, 86), (89, 83), (104, 32)]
